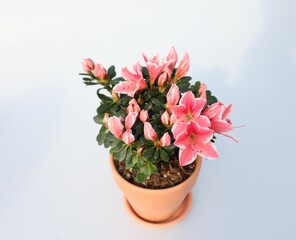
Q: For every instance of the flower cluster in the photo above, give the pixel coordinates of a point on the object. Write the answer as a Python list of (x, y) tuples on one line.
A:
[(152, 113)]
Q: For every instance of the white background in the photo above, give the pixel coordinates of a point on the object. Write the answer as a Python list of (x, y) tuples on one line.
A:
[(55, 182)]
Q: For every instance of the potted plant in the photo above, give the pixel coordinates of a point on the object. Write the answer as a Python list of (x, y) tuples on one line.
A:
[(158, 127)]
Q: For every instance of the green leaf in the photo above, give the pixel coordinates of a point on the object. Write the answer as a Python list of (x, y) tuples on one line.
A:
[(183, 87), (148, 152), (210, 99), (105, 107), (129, 153), (170, 147), (156, 154), (184, 79), (133, 162), (102, 135), (141, 177), (194, 88), (157, 102), (118, 148), (141, 162), (111, 137), (146, 142), (87, 79), (90, 83), (104, 98), (99, 118), (122, 154), (164, 156), (111, 72), (83, 74), (115, 81), (152, 167), (148, 105), (148, 169)]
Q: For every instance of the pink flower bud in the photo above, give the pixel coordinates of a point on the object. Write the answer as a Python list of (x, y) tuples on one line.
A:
[(173, 96), (183, 67), (133, 106), (172, 57), (88, 65), (128, 137), (105, 119), (149, 132), (130, 120), (115, 126), (100, 71), (165, 140), (202, 90), (144, 116), (165, 118), (164, 77)]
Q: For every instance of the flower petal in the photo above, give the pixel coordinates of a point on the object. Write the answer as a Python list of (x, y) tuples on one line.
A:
[(178, 128), (115, 126), (128, 137), (208, 150), (130, 120), (188, 99), (186, 156), (149, 132)]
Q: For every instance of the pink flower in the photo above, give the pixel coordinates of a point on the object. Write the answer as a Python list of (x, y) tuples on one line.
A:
[(130, 120), (154, 67), (202, 90), (173, 96), (133, 106), (128, 137), (144, 116), (172, 58), (100, 71), (134, 81), (183, 67), (218, 114), (173, 119), (165, 140), (115, 126), (165, 118), (88, 65), (189, 110), (164, 77), (195, 141), (149, 132)]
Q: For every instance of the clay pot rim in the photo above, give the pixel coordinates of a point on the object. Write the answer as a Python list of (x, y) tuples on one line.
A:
[(163, 190)]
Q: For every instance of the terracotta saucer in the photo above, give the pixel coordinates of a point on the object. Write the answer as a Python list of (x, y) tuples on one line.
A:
[(177, 217)]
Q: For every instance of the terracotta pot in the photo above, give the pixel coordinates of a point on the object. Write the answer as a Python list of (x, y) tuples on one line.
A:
[(156, 205)]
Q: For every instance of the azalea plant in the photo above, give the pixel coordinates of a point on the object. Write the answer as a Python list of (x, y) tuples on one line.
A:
[(153, 114)]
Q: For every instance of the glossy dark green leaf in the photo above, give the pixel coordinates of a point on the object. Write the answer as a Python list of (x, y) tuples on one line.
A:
[(87, 79), (164, 156), (99, 118), (129, 154), (102, 135), (148, 152), (157, 102), (90, 83), (111, 72), (183, 87), (104, 98), (122, 154), (105, 107), (156, 154), (141, 177)]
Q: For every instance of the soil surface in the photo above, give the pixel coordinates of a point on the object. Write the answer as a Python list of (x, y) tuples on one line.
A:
[(169, 174)]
